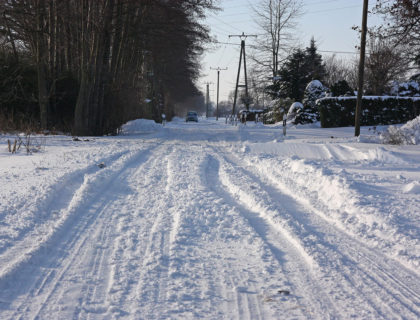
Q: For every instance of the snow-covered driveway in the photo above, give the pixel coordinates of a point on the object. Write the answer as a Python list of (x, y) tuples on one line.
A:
[(211, 221)]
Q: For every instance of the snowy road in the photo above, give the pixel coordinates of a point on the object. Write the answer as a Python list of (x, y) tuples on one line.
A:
[(211, 221)]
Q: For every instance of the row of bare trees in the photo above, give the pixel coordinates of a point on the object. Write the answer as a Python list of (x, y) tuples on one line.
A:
[(121, 58)]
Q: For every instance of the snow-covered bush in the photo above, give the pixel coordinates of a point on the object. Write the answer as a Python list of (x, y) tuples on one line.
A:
[(314, 90), (295, 109), (407, 134)]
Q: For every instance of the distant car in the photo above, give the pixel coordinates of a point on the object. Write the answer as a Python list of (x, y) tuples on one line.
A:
[(191, 116)]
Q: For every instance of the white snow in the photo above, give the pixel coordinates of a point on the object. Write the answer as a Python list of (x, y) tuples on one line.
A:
[(294, 109), (412, 187), (213, 221), (314, 85), (409, 133), (140, 126)]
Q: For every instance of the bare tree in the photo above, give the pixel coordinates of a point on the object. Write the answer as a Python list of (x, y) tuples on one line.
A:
[(386, 62), (116, 52), (338, 69), (277, 20), (402, 23)]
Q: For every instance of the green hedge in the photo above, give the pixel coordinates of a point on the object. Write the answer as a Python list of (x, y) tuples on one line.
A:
[(339, 111)]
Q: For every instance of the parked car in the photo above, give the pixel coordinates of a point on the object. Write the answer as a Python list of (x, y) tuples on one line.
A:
[(191, 116)]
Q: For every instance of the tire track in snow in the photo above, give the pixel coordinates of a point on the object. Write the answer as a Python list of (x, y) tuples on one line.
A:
[(338, 250), (81, 251), (388, 266), (200, 280), (340, 202), (141, 254), (191, 284), (132, 222), (63, 190), (93, 301), (160, 268), (288, 255), (98, 208), (40, 276), (190, 209)]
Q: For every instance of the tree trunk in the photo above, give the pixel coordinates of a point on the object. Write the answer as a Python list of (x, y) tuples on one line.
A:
[(43, 96), (89, 115)]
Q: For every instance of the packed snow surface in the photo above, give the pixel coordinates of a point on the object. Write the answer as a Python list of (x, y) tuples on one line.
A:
[(211, 221)]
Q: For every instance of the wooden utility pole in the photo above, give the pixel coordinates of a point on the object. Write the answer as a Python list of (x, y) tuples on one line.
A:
[(207, 98), (217, 100), (242, 37), (361, 69)]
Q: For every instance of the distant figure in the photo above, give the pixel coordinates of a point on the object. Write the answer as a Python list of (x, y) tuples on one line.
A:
[(163, 119), (257, 117)]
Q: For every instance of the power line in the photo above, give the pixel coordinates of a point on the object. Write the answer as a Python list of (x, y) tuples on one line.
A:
[(320, 2), (231, 60), (253, 46), (333, 9), (223, 53), (224, 31), (234, 14), (308, 12), (226, 23), (340, 52)]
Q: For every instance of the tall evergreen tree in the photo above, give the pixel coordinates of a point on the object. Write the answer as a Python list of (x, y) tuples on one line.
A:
[(315, 65), (293, 76), (299, 69)]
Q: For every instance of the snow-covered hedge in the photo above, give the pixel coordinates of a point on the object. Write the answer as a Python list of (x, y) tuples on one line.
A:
[(376, 110), (407, 134)]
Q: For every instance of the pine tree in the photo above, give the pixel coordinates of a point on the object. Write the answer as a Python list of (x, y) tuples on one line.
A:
[(300, 68), (316, 67), (293, 76)]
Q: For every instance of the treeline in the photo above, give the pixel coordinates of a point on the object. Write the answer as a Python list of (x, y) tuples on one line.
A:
[(87, 66), (283, 73)]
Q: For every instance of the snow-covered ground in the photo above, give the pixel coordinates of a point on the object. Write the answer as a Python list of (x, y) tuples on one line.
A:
[(211, 221)]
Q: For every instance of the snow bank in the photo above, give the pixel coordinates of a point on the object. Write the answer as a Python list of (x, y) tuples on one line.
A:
[(407, 134), (412, 187), (339, 197), (140, 126)]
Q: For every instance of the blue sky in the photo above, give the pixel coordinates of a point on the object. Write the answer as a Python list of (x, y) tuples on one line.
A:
[(328, 21)]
